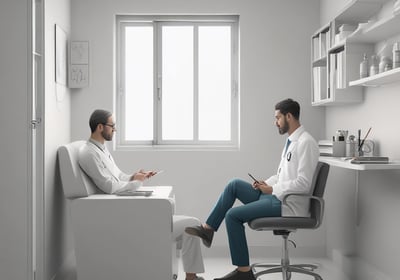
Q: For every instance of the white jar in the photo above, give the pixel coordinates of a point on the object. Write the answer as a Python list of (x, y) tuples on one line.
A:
[(351, 146), (385, 64)]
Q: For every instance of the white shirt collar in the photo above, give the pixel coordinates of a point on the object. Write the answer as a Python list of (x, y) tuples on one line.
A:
[(101, 146), (296, 134)]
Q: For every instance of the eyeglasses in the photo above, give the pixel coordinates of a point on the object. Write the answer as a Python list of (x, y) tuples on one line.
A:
[(110, 125)]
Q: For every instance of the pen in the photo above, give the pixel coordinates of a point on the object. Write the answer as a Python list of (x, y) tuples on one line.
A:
[(362, 142), (359, 139)]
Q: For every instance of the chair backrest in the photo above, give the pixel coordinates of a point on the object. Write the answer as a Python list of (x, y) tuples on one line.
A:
[(319, 181), (75, 182)]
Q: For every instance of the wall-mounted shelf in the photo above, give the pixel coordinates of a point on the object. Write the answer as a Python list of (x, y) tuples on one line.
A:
[(336, 80), (378, 31), (380, 79), (359, 11), (319, 62)]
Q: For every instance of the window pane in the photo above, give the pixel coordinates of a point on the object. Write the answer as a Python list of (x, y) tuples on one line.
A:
[(215, 83), (139, 83), (177, 83)]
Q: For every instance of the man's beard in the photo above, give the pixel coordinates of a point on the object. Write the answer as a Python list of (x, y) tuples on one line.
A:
[(106, 136), (284, 129)]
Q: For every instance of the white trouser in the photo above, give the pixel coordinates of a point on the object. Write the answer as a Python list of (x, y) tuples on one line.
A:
[(192, 258)]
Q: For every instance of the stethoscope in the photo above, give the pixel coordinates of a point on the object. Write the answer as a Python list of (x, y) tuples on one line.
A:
[(289, 156)]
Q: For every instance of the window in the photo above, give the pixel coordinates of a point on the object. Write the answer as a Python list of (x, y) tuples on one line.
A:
[(177, 81)]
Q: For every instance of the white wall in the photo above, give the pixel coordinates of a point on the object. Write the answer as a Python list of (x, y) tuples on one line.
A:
[(374, 241), (330, 8), (274, 64), (57, 124), (14, 77)]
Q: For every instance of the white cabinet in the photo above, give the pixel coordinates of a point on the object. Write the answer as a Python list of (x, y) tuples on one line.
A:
[(356, 31), (333, 68)]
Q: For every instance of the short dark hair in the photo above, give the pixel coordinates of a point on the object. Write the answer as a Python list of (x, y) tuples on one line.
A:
[(289, 106), (98, 117)]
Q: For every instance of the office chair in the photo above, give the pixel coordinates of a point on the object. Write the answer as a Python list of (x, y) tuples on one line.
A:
[(283, 226), (116, 237)]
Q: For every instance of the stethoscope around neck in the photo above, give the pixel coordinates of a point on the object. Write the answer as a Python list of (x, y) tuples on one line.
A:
[(288, 156)]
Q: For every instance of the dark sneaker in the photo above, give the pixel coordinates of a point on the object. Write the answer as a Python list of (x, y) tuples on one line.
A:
[(206, 235), (238, 275)]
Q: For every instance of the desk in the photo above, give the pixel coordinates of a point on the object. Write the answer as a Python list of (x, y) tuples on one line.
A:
[(125, 237), (343, 163)]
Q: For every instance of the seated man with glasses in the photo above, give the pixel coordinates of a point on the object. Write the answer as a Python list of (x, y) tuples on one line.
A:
[(97, 162)]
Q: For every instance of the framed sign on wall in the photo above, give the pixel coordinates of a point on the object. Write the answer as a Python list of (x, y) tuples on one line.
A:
[(79, 64)]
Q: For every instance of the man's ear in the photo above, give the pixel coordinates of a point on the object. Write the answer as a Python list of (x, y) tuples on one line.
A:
[(100, 127), (289, 116)]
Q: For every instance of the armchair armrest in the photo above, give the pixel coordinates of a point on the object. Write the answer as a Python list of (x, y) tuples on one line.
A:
[(120, 236)]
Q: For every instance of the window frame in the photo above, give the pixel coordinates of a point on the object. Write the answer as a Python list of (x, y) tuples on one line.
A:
[(158, 21)]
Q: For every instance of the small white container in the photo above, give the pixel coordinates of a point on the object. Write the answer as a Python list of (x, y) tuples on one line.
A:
[(374, 68), (364, 67), (385, 64), (351, 146), (339, 148)]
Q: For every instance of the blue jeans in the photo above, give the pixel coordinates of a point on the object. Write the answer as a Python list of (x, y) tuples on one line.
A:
[(255, 205)]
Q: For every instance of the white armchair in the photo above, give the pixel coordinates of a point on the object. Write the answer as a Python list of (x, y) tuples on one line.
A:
[(117, 237)]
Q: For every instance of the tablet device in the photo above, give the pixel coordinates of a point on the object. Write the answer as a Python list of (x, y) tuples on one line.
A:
[(370, 160), (136, 193)]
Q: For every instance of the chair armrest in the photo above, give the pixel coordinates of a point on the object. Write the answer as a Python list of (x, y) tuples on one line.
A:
[(319, 200), (105, 206)]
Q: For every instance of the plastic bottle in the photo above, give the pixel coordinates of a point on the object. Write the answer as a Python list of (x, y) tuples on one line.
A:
[(373, 70), (364, 67)]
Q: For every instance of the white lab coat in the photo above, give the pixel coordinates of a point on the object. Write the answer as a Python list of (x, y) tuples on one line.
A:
[(295, 172)]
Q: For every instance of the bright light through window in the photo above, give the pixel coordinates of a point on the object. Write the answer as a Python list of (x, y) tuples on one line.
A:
[(215, 83), (177, 81), (139, 82)]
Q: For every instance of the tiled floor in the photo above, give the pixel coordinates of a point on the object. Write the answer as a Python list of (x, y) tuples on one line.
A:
[(218, 267)]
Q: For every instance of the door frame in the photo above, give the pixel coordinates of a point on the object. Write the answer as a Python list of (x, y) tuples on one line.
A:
[(35, 190)]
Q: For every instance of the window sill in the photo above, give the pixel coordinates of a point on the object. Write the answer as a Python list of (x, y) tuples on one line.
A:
[(178, 148)]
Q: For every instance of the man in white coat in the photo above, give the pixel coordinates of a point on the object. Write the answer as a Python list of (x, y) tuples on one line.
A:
[(263, 198), (97, 162)]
